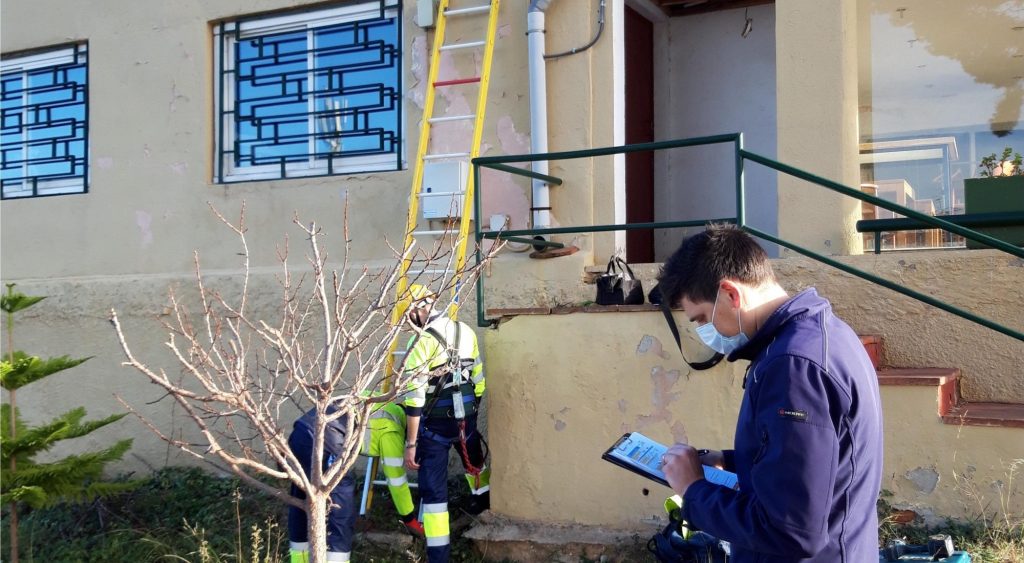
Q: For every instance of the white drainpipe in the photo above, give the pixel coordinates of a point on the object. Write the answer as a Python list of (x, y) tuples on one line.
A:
[(538, 109)]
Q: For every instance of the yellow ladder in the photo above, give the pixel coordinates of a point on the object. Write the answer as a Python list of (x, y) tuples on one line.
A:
[(491, 9)]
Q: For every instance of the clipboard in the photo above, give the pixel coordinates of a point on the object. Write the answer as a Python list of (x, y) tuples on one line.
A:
[(641, 455)]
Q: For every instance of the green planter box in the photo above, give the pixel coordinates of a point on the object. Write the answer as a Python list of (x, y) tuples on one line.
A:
[(992, 195)]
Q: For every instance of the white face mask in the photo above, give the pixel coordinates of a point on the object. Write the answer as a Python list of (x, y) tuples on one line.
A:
[(714, 339)]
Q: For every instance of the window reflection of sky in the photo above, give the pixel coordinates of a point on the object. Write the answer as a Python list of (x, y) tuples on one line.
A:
[(351, 108), (43, 116), (921, 81)]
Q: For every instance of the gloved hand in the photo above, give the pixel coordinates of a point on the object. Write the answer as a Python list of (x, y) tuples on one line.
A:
[(415, 528)]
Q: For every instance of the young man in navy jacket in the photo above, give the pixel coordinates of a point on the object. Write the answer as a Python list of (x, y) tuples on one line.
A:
[(808, 445)]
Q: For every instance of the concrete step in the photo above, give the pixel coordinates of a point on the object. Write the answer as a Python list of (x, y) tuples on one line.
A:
[(943, 379), (873, 344), (986, 414)]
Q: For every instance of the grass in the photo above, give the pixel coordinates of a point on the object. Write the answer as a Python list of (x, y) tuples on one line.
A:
[(987, 540), (188, 515), (181, 514)]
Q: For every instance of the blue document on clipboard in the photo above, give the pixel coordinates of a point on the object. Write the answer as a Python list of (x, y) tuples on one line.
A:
[(642, 455)]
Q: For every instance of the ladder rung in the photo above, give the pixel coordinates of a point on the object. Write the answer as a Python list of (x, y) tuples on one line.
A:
[(466, 45), (430, 272), (467, 11), (440, 194), (433, 233), (383, 482), (456, 81), (445, 155), (452, 118)]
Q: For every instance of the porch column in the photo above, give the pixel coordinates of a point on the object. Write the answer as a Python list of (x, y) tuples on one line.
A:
[(816, 54)]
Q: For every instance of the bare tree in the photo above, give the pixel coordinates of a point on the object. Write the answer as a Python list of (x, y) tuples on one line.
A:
[(328, 348)]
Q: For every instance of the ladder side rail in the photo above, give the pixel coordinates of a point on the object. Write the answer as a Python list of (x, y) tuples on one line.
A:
[(478, 130)]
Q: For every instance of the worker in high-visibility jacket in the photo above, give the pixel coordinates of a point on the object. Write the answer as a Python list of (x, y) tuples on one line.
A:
[(441, 404), (385, 438)]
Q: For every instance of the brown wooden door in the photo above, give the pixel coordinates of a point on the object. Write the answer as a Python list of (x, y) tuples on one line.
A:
[(639, 47)]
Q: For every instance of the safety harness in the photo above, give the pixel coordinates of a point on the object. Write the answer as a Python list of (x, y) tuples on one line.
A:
[(453, 395)]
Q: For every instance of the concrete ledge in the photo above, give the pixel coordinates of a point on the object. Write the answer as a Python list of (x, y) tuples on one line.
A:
[(944, 379), (986, 414), (499, 538)]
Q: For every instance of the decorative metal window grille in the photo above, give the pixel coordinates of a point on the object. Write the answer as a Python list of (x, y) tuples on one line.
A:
[(310, 94), (44, 108)]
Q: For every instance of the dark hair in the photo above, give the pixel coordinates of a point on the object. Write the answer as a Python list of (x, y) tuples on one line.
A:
[(704, 260)]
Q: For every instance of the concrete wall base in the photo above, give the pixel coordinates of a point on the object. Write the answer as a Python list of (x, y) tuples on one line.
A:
[(497, 538)]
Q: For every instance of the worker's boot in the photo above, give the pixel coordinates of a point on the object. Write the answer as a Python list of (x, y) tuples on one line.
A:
[(413, 526)]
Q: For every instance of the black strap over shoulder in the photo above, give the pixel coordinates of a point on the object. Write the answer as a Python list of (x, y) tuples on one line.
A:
[(454, 370), (667, 311)]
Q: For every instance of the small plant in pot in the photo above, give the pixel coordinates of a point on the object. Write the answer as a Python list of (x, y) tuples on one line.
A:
[(999, 189), (993, 166)]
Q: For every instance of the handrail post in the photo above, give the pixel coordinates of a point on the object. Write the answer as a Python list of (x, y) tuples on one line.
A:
[(477, 230)]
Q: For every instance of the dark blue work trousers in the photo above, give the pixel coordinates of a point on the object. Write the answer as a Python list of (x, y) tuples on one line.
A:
[(341, 518), (437, 437)]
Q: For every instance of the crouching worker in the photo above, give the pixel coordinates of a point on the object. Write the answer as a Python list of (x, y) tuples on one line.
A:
[(385, 438), (441, 406), (341, 515)]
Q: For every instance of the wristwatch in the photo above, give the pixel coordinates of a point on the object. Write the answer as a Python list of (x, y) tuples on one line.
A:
[(410, 445)]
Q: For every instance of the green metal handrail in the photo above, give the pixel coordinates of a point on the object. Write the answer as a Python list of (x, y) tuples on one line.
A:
[(879, 226), (741, 156)]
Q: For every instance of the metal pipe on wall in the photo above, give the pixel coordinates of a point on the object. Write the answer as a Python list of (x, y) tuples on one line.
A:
[(541, 206)]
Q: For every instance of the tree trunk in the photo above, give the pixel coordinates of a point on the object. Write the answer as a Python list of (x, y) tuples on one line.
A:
[(316, 508), (12, 394)]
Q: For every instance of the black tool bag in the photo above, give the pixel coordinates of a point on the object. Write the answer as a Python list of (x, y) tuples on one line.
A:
[(618, 285), (669, 547)]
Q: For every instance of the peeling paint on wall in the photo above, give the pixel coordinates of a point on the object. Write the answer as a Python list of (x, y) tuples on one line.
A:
[(925, 479), (651, 345), (502, 194), (679, 432), (661, 397), (417, 91), (144, 221), (172, 106)]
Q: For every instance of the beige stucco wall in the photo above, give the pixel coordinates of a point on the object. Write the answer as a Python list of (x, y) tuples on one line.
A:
[(816, 81), (562, 387), (151, 157), (985, 282)]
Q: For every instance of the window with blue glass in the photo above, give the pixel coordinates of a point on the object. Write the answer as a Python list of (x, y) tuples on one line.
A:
[(44, 143), (310, 94)]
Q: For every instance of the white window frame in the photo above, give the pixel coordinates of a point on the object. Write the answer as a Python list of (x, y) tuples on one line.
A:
[(224, 130), (33, 61)]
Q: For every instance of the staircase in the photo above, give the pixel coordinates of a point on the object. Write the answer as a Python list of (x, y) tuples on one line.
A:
[(951, 408)]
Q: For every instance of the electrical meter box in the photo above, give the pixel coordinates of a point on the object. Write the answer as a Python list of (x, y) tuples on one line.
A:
[(444, 186)]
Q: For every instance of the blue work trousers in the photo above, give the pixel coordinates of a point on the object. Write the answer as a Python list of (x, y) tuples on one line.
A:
[(437, 437), (341, 518)]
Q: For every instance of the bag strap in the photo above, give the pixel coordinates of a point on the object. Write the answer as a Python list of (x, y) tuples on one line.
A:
[(699, 366), (611, 266), (625, 267)]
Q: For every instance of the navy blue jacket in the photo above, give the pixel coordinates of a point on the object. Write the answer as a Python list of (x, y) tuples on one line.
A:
[(808, 446), (334, 432)]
